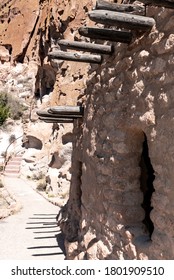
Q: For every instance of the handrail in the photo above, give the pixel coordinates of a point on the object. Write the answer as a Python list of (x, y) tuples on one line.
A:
[(6, 159)]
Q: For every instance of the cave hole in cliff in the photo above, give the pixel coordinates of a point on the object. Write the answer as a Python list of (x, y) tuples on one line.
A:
[(32, 142), (146, 185), (9, 48), (37, 94)]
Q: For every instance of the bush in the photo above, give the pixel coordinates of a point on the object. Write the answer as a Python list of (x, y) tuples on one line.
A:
[(3, 154), (1, 184), (10, 107), (4, 113), (41, 185), (12, 138), (38, 176), (4, 108), (15, 108)]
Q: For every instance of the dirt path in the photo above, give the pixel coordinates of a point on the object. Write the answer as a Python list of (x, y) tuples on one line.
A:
[(31, 233)]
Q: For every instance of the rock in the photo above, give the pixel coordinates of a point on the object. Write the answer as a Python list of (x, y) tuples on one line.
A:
[(4, 54)]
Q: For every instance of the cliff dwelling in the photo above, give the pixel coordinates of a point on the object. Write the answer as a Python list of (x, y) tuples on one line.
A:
[(103, 87), (119, 196)]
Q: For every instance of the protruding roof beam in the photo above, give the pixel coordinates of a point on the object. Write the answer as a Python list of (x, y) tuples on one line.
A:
[(160, 3), (122, 8), (88, 47), (128, 21), (56, 120), (106, 34), (49, 114), (68, 110), (78, 57)]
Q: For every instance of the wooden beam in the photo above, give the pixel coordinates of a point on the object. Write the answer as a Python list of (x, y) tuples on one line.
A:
[(49, 114), (160, 3), (69, 110), (106, 34), (122, 8), (128, 21), (78, 57), (56, 120), (89, 47)]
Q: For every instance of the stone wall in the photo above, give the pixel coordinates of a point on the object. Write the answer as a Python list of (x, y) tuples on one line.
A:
[(121, 196)]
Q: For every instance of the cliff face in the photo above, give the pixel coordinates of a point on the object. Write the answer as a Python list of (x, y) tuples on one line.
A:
[(28, 31), (121, 195)]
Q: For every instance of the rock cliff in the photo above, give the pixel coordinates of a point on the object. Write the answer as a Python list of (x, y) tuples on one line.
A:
[(28, 31)]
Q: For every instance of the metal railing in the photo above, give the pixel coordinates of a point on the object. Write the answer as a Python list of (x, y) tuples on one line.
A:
[(8, 156)]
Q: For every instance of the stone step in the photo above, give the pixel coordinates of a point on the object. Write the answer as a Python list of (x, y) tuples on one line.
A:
[(14, 175), (14, 163), (11, 172), (12, 168)]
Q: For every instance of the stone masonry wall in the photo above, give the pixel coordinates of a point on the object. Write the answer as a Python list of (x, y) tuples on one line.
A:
[(128, 113)]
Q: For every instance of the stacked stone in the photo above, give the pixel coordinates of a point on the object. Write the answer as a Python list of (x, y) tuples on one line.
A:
[(129, 95)]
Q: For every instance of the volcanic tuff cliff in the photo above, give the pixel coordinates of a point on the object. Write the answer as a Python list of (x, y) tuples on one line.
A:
[(121, 194), (28, 29)]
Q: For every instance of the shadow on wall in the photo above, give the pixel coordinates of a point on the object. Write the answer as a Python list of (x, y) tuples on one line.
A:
[(32, 142)]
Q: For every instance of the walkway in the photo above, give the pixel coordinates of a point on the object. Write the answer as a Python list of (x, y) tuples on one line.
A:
[(32, 233)]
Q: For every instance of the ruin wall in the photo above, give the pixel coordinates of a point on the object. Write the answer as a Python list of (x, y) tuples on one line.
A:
[(121, 196)]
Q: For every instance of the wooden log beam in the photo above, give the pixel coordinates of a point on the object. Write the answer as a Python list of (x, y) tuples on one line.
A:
[(78, 57), (122, 8), (49, 114), (160, 3), (129, 21), (89, 47), (106, 34), (56, 120), (68, 110)]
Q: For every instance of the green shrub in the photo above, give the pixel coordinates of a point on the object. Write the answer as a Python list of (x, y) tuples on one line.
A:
[(10, 107), (4, 108), (4, 113), (3, 99)]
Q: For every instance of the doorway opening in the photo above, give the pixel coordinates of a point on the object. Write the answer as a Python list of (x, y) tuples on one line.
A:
[(146, 185)]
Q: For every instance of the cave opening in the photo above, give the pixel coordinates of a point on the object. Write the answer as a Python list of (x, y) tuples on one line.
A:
[(146, 185)]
